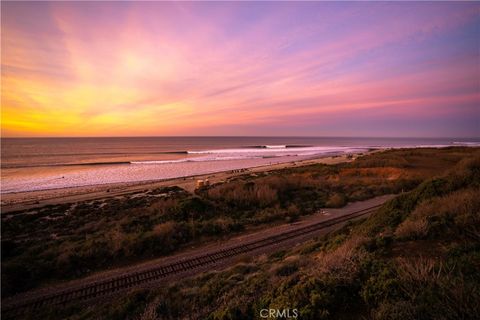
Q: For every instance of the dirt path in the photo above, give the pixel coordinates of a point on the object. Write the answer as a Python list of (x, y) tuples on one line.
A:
[(204, 250), (34, 199)]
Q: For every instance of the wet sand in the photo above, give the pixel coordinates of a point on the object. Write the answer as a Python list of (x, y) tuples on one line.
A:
[(31, 199)]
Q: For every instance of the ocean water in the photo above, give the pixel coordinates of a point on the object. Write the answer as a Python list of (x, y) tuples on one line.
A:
[(47, 163)]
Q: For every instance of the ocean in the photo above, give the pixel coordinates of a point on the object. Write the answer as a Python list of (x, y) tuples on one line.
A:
[(30, 164)]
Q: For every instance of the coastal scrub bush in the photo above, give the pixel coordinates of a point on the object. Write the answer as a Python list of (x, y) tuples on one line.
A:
[(194, 207), (449, 214), (163, 207), (336, 200), (71, 240), (412, 229), (287, 269), (380, 282), (439, 291), (397, 310), (398, 209), (343, 261), (335, 277), (244, 194)]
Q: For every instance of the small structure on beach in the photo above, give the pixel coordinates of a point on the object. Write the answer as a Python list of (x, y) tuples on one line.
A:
[(202, 183)]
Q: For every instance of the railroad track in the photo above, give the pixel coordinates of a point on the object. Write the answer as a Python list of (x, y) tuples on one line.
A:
[(106, 287)]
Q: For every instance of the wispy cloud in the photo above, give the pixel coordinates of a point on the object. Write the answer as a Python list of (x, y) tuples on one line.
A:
[(126, 68)]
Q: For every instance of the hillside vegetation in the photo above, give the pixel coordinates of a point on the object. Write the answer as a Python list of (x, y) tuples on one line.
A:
[(417, 257), (69, 241)]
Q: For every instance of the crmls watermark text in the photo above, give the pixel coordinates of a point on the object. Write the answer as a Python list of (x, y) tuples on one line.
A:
[(277, 313)]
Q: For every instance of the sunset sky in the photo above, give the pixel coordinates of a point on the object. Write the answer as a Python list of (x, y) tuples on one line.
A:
[(179, 68)]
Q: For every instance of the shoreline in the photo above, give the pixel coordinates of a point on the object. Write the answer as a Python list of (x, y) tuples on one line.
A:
[(39, 179), (17, 201)]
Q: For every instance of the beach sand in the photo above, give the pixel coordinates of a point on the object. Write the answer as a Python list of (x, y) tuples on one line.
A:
[(32, 199)]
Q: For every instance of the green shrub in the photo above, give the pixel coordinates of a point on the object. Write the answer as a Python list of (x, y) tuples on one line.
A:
[(286, 269), (380, 282), (336, 200), (397, 310)]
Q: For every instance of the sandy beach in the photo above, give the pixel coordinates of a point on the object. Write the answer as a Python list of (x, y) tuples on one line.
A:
[(31, 199)]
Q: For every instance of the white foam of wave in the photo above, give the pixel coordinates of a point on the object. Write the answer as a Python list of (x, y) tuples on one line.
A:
[(253, 153), (453, 144), (199, 159), (158, 161), (277, 149), (272, 151), (202, 164), (467, 143), (98, 175), (432, 146)]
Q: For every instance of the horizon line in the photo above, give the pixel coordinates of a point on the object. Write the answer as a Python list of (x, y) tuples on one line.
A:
[(242, 136)]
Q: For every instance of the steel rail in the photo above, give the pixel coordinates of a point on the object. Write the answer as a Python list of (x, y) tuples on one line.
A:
[(115, 284)]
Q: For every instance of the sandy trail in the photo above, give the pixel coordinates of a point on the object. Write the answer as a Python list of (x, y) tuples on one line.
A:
[(192, 252), (34, 199)]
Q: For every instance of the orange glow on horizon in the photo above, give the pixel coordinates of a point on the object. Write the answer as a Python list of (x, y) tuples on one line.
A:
[(132, 69)]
